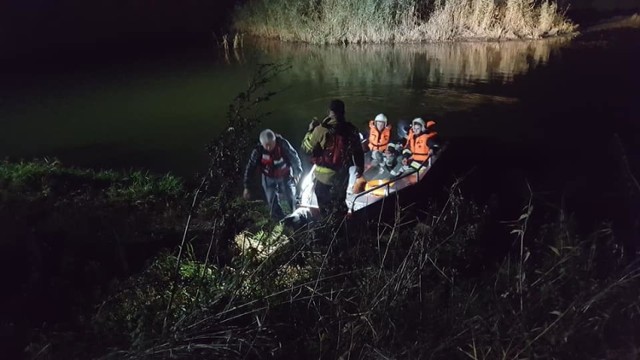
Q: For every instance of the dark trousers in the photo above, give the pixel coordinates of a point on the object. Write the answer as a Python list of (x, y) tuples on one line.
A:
[(273, 188), (331, 197)]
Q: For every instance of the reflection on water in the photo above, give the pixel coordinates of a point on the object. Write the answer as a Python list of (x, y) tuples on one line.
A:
[(174, 105), (402, 81), (438, 63)]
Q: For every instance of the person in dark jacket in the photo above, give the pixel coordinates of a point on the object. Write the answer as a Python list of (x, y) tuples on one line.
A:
[(281, 168), (334, 146), (392, 162)]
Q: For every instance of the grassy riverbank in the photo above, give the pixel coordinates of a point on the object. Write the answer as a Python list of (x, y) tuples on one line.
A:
[(70, 239), (401, 21), (448, 278), (66, 233), (446, 281)]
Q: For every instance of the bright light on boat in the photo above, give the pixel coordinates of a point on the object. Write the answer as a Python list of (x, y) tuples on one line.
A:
[(307, 181), (306, 188)]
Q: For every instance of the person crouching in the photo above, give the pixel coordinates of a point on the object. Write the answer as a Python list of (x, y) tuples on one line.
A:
[(281, 168)]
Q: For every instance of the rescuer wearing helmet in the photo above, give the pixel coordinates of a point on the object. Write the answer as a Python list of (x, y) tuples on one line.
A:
[(421, 142), (379, 137)]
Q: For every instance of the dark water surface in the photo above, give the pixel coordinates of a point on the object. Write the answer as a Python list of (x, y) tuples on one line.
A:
[(560, 114), (158, 112)]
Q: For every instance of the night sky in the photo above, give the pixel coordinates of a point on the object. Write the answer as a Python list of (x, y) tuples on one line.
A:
[(49, 27), (40, 34)]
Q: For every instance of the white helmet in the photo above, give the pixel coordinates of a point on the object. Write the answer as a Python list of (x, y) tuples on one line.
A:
[(418, 121), (381, 117)]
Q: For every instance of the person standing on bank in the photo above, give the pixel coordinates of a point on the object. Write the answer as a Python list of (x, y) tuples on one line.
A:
[(281, 168), (334, 146)]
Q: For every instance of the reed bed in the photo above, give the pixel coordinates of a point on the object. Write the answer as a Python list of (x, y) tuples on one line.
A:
[(401, 21)]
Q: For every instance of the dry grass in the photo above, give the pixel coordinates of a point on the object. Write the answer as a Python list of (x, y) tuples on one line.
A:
[(632, 21), (407, 289), (401, 21)]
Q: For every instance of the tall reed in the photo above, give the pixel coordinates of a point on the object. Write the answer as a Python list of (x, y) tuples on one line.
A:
[(401, 21)]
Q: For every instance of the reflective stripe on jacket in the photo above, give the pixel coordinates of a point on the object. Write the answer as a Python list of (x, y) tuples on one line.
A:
[(319, 139)]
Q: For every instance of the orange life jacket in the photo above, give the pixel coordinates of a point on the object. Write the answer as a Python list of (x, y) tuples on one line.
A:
[(418, 145), (378, 140)]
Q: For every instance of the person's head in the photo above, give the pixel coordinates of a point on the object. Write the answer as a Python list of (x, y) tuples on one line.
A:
[(336, 109), (418, 125), (391, 150), (268, 139), (380, 122)]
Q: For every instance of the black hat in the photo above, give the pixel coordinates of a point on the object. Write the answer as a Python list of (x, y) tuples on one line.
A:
[(337, 106)]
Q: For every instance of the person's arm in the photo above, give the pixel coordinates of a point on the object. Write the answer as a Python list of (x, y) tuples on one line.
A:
[(364, 142), (292, 156), (406, 130), (406, 153), (314, 140), (358, 153), (308, 142), (406, 149), (306, 145), (358, 158), (251, 167), (397, 169), (434, 143), (405, 139)]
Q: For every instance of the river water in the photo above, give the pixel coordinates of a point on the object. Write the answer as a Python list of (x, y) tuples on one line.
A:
[(157, 112), (560, 115)]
